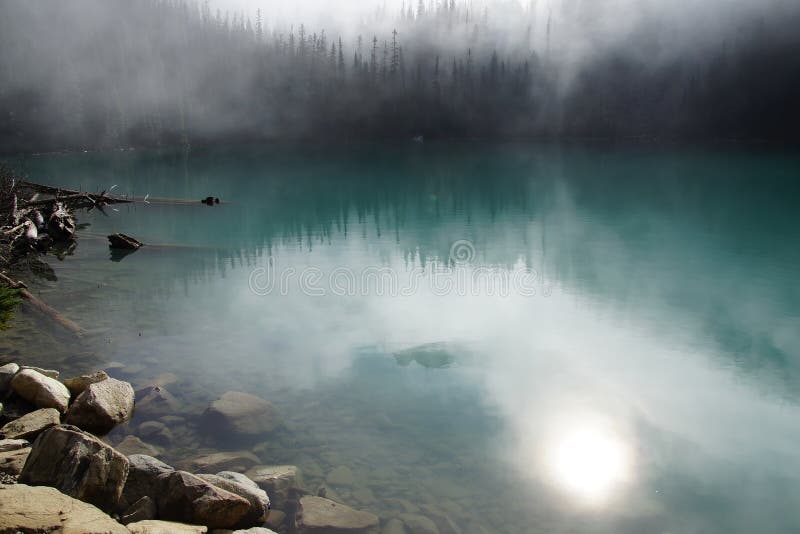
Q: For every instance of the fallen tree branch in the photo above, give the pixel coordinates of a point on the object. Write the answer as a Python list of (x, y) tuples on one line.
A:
[(41, 307)]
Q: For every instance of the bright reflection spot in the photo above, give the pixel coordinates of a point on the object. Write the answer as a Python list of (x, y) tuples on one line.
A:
[(590, 461)]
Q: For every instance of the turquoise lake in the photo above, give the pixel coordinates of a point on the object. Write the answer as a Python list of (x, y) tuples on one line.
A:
[(518, 337)]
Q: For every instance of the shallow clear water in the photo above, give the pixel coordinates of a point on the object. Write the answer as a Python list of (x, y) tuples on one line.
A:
[(528, 338)]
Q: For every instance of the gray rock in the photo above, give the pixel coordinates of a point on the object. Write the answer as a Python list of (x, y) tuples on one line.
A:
[(142, 510), (78, 464), (276, 480), (133, 445), (40, 390), (242, 414), (31, 425), (40, 509), (164, 527), (102, 406), (7, 372), (247, 489), (12, 462), (185, 498), (238, 461), (78, 384), (7, 445), (142, 481), (316, 515)]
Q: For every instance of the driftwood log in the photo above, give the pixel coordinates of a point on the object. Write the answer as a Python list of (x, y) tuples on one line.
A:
[(124, 242), (106, 198), (41, 307)]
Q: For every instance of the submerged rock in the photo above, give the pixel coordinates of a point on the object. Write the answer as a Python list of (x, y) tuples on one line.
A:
[(78, 464), (276, 480), (341, 476), (276, 519), (242, 414), (41, 509), (316, 515), (156, 431), (154, 401), (78, 384), (419, 524), (31, 425), (12, 462), (247, 489), (102, 406), (40, 390), (443, 521), (239, 461), (164, 527), (133, 445), (393, 526), (187, 498)]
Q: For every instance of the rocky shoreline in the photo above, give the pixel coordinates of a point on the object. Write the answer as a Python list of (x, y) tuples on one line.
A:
[(60, 472)]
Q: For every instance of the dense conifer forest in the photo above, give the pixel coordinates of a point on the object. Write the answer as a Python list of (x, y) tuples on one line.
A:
[(156, 72)]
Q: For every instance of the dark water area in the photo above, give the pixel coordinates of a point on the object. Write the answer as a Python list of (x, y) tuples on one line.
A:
[(522, 337)]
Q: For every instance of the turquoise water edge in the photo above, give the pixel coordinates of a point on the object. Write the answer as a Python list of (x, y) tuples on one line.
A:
[(526, 338)]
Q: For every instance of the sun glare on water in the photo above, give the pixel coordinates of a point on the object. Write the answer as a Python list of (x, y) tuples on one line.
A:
[(589, 461)]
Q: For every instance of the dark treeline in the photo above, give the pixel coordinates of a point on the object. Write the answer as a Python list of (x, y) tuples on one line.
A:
[(92, 74)]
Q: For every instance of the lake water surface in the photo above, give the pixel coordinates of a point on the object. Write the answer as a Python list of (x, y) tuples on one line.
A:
[(522, 338)]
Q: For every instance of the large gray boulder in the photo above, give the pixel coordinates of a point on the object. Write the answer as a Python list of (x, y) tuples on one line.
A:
[(78, 464), (243, 487), (31, 425), (7, 372), (78, 384), (277, 480), (239, 461), (186, 498), (40, 509), (242, 414), (40, 390), (143, 479), (316, 515), (102, 406)]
